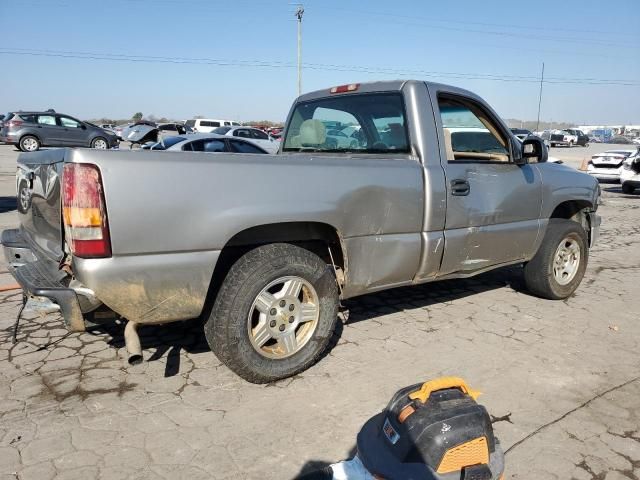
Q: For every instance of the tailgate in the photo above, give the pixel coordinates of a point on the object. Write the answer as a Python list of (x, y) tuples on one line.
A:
[(38, 192)]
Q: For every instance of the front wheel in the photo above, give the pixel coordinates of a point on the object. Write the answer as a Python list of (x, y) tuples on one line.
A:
[(99, 143), (559, 265), (274, 314), (627, 188)]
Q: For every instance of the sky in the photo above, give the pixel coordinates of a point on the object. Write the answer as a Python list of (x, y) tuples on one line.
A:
[(236, 59)]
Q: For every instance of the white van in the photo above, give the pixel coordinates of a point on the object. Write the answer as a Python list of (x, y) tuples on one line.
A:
[(206, 125)]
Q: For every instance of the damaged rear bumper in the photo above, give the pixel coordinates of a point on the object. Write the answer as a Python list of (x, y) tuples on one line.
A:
[(39, 279)]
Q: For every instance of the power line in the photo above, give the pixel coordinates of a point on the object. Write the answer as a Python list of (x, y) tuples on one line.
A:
[(433, 23), (399, 71)]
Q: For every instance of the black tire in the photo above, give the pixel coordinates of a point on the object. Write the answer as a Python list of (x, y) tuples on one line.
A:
[(627, 188), (95, 140), (226, 329), (23, 200), (29, 138), (538, 272)]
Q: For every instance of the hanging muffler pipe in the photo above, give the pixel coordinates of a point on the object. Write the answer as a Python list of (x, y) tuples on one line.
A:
[(132, 342)]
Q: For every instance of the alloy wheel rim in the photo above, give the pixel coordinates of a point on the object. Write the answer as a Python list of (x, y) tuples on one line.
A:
[(566, 261), (283, 317), (100, 145)]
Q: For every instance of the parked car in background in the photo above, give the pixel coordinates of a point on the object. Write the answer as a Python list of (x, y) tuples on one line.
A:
[(107, 126), (140, 133), (205, 142), (581, 138), (255, 135), (559, 137), (118, 129), (264, 247), (521, 133), (630, 175), (607, 166), (31, 130), (173, 128), (620, 140), (207, 125)]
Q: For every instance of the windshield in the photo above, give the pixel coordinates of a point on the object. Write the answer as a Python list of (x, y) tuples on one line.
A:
[(190, 123), (366, 123), (221, 130)]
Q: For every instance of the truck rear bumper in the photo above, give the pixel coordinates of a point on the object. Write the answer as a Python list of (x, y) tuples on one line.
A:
[(37, 280)]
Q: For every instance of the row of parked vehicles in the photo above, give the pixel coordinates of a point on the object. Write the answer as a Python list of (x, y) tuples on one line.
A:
[(32, 130)]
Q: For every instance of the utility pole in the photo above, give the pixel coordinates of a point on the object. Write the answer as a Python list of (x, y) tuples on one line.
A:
[(299, 13), (540, 98)]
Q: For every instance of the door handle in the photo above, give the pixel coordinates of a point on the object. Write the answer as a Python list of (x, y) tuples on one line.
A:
[(460, 187)]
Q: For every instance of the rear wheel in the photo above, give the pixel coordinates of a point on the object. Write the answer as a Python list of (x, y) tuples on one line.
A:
[(29, 143), (99, 143), (559, 265), (627, 188), (274, 314)]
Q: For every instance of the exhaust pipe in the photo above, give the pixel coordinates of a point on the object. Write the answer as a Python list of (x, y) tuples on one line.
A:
[(132, 342)]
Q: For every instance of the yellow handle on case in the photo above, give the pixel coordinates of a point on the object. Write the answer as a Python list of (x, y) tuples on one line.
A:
[(443, 383)]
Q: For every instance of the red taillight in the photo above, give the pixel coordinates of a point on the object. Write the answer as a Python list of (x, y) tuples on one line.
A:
[(352, 87), (83, 211), (14, 123)]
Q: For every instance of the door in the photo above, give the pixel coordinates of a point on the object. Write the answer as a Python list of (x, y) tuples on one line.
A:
[(49, 131), (493, 204), (73, 134), (263, 140)]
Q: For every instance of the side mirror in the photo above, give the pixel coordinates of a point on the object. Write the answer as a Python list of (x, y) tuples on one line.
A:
[(534, 150), (83, 126)]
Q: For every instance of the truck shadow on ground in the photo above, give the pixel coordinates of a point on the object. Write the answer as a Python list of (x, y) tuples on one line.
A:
[(168, 341), (7, 204)]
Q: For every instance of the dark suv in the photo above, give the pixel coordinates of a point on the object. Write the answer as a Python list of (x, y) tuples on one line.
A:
[(31, 130)]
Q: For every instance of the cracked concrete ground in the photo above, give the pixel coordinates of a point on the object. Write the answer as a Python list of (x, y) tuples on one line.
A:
[(560, 378)]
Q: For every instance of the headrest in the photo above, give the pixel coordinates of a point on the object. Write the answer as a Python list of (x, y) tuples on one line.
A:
[(312, 132)]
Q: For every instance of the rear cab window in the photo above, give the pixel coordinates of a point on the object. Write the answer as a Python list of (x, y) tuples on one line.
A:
[(356, 123)]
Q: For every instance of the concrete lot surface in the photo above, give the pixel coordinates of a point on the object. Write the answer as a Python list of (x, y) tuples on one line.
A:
[(561, 378)]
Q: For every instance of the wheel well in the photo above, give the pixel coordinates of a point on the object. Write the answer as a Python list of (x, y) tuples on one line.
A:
[(575, 210), (316, 237), (570, 209), (29, 135)]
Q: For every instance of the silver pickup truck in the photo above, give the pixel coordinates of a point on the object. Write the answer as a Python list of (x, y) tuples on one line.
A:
[(375, 186)]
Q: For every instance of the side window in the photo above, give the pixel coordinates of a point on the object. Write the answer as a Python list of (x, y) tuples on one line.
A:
[(214, 146), (195, 146), (244, 147), (69, 122), (46, 120), (470, 135), (259, 135), (242, 133)]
